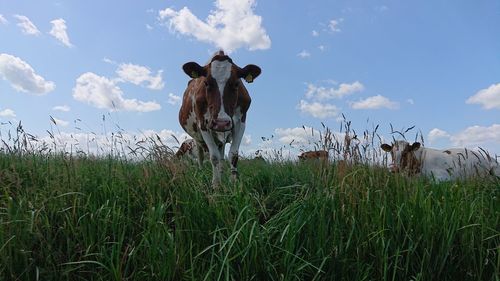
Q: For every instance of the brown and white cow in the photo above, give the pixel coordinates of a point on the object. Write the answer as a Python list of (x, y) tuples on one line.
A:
[(442, 165), (314, 155), (189, 148), (214, 108)]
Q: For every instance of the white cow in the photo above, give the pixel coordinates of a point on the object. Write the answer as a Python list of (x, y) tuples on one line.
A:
[(442, 165)]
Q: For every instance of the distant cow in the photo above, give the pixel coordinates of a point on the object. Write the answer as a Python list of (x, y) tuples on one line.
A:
[(214, 108), (311, 155), (442, 165), (189, 148)]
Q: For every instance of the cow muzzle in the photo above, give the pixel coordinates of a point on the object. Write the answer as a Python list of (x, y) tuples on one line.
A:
[(221, 125)]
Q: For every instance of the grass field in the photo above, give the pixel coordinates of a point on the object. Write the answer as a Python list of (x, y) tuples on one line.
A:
[(67, 217)]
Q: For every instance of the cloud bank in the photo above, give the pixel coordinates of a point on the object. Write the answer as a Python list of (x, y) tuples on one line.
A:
[(488, 98), (22, 76), (103, 93), (232, 25), (27, 27), (59, 32), (140, 75)]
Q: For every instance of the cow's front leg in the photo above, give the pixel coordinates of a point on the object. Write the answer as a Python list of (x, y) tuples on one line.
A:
[(238, 130), (220, 164), (215, 158), (200, 153)]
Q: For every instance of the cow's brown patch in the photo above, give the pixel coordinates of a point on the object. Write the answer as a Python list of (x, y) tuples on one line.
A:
[(409, 162)]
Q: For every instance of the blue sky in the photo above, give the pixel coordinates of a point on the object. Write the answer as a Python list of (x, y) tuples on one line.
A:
[(434, 65)]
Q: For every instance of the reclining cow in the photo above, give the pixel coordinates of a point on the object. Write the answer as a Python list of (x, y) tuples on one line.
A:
[(214, 108), (189, 149), (319, 155), (442, 165)]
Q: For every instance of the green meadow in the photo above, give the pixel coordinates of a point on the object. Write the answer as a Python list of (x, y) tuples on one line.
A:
[(77, 217)]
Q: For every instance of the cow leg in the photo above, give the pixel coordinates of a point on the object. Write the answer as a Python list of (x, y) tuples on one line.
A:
[(239, 129), (221, 159), (200, 154), (215, 157)]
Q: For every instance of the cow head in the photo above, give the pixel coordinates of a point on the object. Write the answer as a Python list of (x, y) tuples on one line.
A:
[(403, 156), (221, 83)]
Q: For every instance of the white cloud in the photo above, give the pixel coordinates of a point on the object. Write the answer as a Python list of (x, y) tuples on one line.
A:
[(103, 93), (231, 26), (315, 33), (344, 89), (63, 108), (304, 54), (436, 134), (470, 137), (477, 135), (247, 140), (22, 76), (489, 98), (26, 25), (299, 135), (149, 27), (410, 101), (139, 75), (322, 47), (59, 31), (174, 99), (3, 20), (110, 61), (375, 102), (60, 122), (318, 110), (334, 25), (7, 113)]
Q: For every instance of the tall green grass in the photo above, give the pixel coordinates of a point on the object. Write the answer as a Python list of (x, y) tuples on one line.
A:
[(83, 218), (74, 216)]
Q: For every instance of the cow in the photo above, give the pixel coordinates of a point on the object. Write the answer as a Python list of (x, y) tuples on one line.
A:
[(189, 148), (214, 109), (314, 155), (441, 165)]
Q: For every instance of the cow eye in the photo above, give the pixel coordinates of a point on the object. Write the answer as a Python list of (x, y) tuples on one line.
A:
[(209, 84), (233, 85)]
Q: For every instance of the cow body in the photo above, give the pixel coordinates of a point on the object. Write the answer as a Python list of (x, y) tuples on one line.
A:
[(214, 108), (314, 155), (442, 165)]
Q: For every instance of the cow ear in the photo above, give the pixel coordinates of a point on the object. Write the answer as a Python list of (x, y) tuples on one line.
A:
[(415, 146), (194, 70), (385, 147), (249, 72)]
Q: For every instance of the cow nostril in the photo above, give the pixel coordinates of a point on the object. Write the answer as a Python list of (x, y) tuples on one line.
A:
[(221, 124)]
